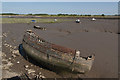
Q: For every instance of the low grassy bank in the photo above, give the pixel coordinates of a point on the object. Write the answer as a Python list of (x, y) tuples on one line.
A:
[(28, 20)]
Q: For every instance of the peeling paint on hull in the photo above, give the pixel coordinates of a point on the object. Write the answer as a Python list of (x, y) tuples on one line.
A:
[(43, 53)]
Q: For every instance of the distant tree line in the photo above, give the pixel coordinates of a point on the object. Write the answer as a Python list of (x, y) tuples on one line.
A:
[(54, 14), (9, 14), (67, 15), (64, 15), (38, 14)]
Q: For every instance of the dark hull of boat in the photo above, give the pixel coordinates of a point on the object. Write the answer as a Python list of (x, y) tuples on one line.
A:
[(55, 55), (82, 67)]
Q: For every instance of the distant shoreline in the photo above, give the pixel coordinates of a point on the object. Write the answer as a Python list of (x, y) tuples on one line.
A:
[(55, 16)]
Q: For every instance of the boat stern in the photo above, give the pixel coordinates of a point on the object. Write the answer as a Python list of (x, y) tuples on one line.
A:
[(83, 64)]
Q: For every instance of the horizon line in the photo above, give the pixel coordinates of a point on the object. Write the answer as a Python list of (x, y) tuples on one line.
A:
[(52, 14)]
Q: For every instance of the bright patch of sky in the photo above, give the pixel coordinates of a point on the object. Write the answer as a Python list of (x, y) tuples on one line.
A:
[(93, 8)]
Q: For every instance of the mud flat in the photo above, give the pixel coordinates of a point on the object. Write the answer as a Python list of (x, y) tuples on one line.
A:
[(90, 37)]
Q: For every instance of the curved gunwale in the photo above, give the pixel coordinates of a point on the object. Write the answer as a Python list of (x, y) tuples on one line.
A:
[(68, 50)]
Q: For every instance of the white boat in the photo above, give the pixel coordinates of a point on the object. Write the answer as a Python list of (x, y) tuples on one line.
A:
[(93, 19)]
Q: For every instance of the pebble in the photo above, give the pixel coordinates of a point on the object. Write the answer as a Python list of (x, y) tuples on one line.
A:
[(16, 52), (9, 58), (18, 62), (26, 69), (10, 63), (4, 60), (42, 76), (4, 34), (14, 56), (7, 45), (31, 71), (14, 47), (3, 54), (37, 76), (6, 66), (26, 66), (33, 74), (40, 73), (10, 46)]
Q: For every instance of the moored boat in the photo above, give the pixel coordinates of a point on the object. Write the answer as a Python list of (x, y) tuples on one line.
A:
[(56, 55)]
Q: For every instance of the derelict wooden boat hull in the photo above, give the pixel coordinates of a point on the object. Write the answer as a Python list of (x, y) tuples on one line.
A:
[(63, 60)]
